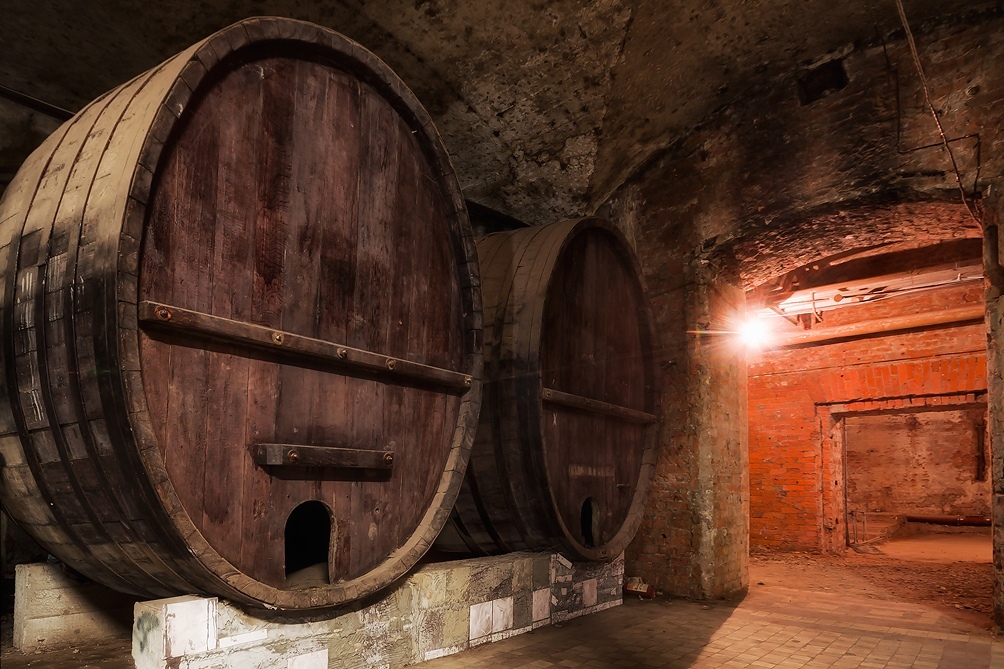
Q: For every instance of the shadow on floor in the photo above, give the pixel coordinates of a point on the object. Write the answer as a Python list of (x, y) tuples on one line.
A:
[(642, 633)]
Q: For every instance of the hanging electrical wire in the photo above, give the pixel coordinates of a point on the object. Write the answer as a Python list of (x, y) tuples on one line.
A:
[(934, 112)]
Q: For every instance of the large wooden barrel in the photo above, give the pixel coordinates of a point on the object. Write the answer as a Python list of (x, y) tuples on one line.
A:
[(241, 326), (566, 444)]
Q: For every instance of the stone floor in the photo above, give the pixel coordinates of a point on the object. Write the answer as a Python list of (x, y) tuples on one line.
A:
[(771, 627), (774, 626)]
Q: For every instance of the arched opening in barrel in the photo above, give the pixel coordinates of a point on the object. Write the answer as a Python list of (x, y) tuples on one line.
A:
[(589, 521), (308, 545)]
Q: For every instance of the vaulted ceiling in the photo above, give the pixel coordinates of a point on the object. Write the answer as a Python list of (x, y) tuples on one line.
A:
[(546, 107)]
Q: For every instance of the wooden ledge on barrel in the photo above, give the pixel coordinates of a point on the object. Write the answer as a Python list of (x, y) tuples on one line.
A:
[(552, 396), (203, 325), (297, 455)]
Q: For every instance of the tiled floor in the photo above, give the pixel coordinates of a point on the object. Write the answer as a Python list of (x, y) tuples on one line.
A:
[(771, 627), (837, 623)]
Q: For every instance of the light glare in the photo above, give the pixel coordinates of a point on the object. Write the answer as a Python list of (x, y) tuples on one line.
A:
[(754, 333)]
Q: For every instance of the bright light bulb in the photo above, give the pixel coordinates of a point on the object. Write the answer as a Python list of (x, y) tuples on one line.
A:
[(754, 332)]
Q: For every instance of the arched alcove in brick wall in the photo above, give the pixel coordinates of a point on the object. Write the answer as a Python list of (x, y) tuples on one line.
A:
[(762, 253), (796, 471)]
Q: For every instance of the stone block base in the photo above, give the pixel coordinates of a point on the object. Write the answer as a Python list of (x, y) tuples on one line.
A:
[(437, 610)]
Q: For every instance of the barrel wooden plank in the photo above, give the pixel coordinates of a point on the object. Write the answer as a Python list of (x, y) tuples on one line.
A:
[(337, 286), (227, 392), (380, 169), (296, 415), (480, 513), (190, 202), (403, 190), (65, 481)]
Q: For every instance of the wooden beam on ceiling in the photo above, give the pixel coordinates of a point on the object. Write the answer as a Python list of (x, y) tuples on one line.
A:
[(827, 274), (960, 315)]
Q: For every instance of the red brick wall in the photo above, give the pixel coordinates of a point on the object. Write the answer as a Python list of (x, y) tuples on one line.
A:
[(791, 445)]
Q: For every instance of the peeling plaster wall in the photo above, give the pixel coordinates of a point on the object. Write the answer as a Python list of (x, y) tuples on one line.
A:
[(918, 463), (537, 113)]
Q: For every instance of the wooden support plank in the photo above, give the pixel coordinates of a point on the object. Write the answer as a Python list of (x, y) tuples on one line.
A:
[(296, 455), (874, 269), (171, 318), (865, 290), (959, 315), (552, 396)]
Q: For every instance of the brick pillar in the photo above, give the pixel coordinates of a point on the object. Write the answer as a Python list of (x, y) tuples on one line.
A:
[(993, 216), (833, 507), (694, 541)]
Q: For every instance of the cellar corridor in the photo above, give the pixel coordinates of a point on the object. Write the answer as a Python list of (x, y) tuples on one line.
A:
[(379, 334)]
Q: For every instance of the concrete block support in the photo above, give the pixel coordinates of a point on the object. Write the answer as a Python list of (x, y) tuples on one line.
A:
[(53, 609), (437, 610)]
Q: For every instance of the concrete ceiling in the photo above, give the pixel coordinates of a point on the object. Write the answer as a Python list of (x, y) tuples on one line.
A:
[(546, 107)]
